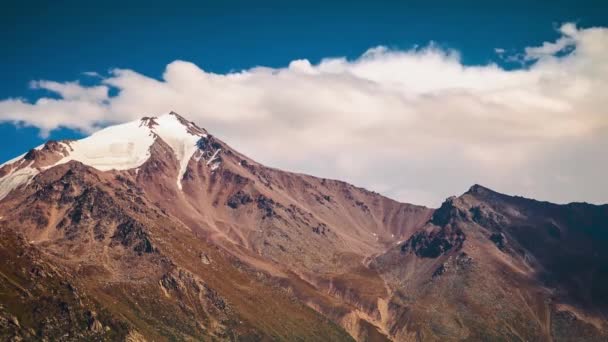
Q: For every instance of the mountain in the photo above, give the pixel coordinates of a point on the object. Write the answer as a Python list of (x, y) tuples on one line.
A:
[(493, 267), (157, 230)]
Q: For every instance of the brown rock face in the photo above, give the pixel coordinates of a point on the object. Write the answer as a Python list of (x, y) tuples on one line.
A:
[(434, 243), (224, 248)]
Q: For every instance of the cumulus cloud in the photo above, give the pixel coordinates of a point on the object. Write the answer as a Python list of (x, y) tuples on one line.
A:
[(549, 49), (416, 125)]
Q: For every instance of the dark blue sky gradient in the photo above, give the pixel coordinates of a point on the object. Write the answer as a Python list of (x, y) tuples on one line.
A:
[(58, 40)]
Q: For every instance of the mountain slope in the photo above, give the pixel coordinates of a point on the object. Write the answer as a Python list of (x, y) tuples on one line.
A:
[(171, 234), (142, 266), (489, 266)]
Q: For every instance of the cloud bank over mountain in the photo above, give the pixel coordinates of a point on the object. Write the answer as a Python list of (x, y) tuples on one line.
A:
[(416, 125)]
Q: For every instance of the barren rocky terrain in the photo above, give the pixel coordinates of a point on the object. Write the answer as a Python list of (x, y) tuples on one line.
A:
[(195, 241)]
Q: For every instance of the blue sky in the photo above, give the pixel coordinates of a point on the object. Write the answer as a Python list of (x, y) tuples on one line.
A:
[(60, 40)]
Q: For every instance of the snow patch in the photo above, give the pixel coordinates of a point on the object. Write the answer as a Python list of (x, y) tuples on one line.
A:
[(15, 179), (182, 142), (198, 156), (119, 147), (214, 156)]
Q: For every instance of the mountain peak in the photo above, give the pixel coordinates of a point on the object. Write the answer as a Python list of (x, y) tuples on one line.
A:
[(118, 147), (171, 118), (477, 189)]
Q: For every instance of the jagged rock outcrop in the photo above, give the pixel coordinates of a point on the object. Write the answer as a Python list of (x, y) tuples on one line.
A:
[(434, 243)]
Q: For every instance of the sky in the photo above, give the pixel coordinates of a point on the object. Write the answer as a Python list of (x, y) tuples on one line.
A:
[(417, 100)]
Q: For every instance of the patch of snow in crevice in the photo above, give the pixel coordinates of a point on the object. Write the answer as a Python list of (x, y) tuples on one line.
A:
[(182, 142), (198, 156), (214, 156)]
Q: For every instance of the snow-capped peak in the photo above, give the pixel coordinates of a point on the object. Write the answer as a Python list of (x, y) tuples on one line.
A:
[(120, 147), (127, 146)]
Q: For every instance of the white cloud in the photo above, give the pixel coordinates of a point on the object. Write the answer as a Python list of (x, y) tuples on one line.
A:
[(549, 49), (92, 74), (73, 90), (416, 125)]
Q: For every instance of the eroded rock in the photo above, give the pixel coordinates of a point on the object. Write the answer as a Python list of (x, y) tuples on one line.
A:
[(238, 199), (432, 244)]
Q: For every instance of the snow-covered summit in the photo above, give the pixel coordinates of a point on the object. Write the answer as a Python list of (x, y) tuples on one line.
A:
[(127, 146), (120, 147)]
